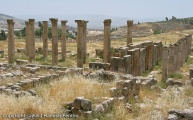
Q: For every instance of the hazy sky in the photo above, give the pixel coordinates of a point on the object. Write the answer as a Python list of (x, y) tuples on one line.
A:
[(120, 8)]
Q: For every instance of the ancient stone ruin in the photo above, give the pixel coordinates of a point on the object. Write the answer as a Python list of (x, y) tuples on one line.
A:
[(125, 64)]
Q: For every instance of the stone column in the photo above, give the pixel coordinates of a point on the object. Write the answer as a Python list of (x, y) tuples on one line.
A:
[(180, 55), (190, 43), (107, 40), (155, 52), (11, 41), (171, 59), (164, 63), (27, 38), (176, 57), (63, 42), (149, 55), (127, 63), (135, 55), (45, 39), (85, 42), (54, 41), (31, 40), (131, 53), (183, 51), (142, 60), (159, 52), (80, 37), (129, 32)]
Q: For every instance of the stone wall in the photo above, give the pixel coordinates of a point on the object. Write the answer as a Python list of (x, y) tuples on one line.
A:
[(134, 59), (174, 55)]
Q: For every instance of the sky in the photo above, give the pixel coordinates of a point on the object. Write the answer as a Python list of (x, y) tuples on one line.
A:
[(120, 8)]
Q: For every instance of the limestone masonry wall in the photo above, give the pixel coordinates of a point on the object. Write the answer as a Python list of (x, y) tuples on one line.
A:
[(175, 55)]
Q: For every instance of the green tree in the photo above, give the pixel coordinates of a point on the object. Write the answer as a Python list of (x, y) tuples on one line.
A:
[(174, 18), (166, 18), (17, 33), (3, 35), (22, 31), (49, 32), (38, 33)]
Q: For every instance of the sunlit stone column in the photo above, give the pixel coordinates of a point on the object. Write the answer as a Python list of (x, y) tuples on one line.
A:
[(85, 42), (54, 40), (27, 38), (129, 31), (11, 41), (149, 55), (45, 39), (107, 40), (80, 37), (63, 42), (31, 40), (171, 59), (164, 63)]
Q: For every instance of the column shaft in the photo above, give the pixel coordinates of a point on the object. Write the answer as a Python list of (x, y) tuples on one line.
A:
[(27, 38), (80, 37), (85, 42), (129, 31), (45, 39), (31, 40), (11, 41), (107, 40), (63, 42), (54, 41)]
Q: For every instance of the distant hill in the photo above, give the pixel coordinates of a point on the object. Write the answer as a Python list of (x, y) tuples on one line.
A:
[(150, 28), (19, 23)]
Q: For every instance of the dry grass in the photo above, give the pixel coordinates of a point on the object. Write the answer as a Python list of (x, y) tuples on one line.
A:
[(168, 100), (54, 95)]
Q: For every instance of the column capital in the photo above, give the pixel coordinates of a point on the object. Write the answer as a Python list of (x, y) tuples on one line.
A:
[(10, 21), (54, 20), (86, 22), (80, 22), (63, 22), (31, 20), (129, 23), (45, 22), (26, 23), (107, 22)]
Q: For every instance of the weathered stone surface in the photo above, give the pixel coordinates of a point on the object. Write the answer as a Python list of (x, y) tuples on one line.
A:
[(87, 114), (107, 43), (99, 108), (149, 82), (172, 82), (127, 63), (73, 71), (11, 41), (129, 31), (20, 50), (104, 75), (86, 104), (116, 63), (32, 92), (172, 117), (183, 114), (77, 102), (21, 62), (113, 92), (45, 39), (191, 73), (54, 41)]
